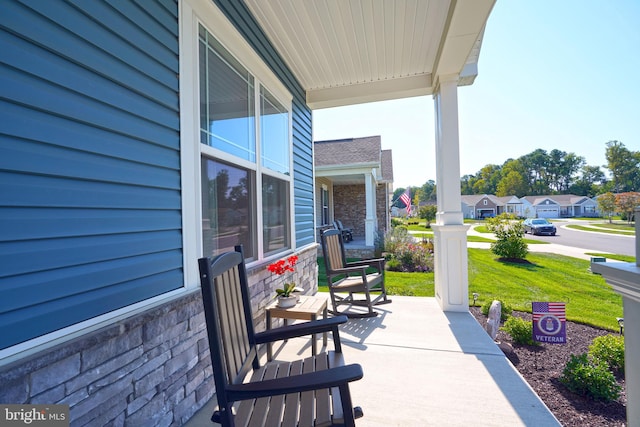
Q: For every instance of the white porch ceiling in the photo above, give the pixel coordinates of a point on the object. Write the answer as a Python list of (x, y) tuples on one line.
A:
[(353, 51)]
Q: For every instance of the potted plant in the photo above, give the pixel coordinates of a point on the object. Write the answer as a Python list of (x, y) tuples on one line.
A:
[(285, 295)]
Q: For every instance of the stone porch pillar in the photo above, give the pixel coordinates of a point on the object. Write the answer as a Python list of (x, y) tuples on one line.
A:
[(370, 222), (450, 233), (625, 279)]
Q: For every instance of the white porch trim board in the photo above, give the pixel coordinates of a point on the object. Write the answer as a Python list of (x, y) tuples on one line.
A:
[(450, 233), (371, 221)]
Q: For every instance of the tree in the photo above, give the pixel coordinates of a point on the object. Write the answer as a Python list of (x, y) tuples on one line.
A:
[(428, 213), (488, 180), (607, 204), (590, 181), (569, 166), (512, 184), (466, 184), (626, 203), (624, 166), (426, 193), (536, 164)]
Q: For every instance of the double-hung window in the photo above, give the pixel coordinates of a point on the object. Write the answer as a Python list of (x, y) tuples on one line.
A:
[(324, 200), (245, 136)]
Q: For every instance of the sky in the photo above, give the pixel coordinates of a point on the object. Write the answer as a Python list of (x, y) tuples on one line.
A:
[(551, 74)]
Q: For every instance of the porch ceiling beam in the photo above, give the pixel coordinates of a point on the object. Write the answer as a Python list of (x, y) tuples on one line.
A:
[(382, 90)]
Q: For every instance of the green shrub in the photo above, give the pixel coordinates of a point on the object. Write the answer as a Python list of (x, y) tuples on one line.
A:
[(505, 310), (509, 233), (520, 330), (590, 378), (609, 349), (393, 264)]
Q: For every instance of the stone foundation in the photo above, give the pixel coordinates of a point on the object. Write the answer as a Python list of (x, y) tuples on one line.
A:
[(150, 369), (362, 253)]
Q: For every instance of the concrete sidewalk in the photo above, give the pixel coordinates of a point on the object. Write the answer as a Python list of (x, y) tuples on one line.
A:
[(424, 367), (549, 248)]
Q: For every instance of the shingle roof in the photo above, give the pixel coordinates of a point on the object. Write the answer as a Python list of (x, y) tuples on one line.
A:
[(347, 151), (507, 199), (561, 199), (474, 199)]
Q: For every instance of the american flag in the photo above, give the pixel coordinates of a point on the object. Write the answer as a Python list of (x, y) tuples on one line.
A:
[(541, 308), (406, 199)]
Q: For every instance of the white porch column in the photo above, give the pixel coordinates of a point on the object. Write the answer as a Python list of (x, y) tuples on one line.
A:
[(624, 278), (450, 233), (370, 222)]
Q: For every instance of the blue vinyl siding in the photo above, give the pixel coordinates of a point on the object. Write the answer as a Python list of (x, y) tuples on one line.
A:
[(90, 206), (244, 22)]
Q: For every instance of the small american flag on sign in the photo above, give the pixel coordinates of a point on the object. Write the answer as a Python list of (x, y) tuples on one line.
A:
[(541, 308)]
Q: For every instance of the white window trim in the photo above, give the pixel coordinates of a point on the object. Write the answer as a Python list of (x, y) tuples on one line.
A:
[(191, 14)]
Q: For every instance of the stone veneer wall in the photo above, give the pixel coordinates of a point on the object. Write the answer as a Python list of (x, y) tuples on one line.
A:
[(151, 369)]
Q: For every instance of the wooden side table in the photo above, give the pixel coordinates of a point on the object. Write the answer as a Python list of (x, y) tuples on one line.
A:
[(308, 308)]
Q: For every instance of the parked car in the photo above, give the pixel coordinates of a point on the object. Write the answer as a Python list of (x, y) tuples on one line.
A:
[(537, 226)]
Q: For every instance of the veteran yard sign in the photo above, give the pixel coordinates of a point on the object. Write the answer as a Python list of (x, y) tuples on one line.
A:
[(549, 322)]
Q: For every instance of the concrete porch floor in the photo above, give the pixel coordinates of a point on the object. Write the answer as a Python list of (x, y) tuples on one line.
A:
[(424, 367)]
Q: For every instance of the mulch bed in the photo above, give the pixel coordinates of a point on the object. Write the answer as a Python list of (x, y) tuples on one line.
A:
[(541, 366)]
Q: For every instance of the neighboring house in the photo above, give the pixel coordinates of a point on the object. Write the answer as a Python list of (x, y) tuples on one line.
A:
[(554, 206), (528, 211), (354, 183), (544, 206), (138, 136), (563, 206), (512, 205), (479, 206)]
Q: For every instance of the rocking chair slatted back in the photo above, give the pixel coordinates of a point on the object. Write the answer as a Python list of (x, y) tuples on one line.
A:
[(334, 257), (224, 305)]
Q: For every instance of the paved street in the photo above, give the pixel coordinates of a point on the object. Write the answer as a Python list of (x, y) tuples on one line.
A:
[(574, 242)]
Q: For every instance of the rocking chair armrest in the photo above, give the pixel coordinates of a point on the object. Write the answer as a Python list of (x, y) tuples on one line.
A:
[(302, 329), (297, 383), (373, 262), (349, 269)]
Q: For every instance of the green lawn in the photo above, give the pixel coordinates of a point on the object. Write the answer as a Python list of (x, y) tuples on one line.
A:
[(623, 258), (472, 238), (629, 228), (410, 284), (482, 229), (600, 230), (549, 277)]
